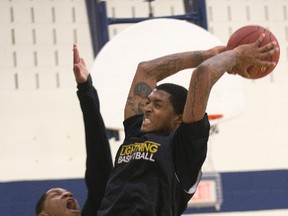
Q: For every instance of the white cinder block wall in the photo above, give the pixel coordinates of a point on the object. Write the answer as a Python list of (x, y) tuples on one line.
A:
[(255, 140)]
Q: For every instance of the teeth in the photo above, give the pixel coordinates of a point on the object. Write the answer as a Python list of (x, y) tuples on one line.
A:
[(147, 121)]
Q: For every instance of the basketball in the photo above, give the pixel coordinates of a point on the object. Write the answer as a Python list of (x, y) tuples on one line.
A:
[(249, 34)]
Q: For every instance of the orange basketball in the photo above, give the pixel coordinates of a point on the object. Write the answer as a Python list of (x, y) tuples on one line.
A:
[(249, 34)]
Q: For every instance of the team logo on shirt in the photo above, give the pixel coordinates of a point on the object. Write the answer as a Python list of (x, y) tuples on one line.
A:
[(138, 151)]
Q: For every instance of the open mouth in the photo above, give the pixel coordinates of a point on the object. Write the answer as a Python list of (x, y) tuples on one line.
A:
[(71, 205), (146, 121)]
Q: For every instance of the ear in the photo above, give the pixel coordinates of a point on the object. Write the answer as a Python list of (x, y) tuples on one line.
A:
[(178, 120)]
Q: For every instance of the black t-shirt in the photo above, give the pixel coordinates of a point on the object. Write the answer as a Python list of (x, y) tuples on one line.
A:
[(148, 177)]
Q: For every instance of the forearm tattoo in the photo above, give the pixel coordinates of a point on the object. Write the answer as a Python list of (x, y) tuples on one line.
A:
[(162, 68), (198, 58)]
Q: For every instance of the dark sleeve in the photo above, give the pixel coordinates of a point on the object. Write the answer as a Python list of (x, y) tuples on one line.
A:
[(190, 149), (98, 160), (132, 126)]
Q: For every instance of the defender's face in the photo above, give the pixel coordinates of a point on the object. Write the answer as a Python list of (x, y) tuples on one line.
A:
[(159, 115), (60, 202)]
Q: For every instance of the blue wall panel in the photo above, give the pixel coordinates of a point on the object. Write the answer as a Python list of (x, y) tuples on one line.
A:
[(242, 191)]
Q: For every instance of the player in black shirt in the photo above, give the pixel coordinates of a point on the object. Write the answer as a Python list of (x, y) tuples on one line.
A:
[(158, 166)]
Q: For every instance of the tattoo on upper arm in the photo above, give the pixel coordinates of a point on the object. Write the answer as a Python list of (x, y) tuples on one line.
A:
[(198, 96), (142, 90), (193, 101), (137, 101)]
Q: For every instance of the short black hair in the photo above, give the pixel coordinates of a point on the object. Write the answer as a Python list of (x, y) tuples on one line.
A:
[(40, 204), (178, 95)]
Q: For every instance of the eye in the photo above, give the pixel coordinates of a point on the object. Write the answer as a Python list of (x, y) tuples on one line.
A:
[(147, 103), (157, 105), (56, 193)]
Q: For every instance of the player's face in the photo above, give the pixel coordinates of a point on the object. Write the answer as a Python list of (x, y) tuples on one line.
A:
[(159, 115), (60, 202)]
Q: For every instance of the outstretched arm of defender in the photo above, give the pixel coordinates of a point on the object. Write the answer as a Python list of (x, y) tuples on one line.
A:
[(80, 70)]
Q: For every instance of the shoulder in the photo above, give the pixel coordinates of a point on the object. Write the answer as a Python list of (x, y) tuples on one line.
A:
[(132, 126), (196, 128)]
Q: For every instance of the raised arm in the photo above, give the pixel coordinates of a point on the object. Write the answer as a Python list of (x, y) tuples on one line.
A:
[(98, 153), (209, 72), (149, 73)]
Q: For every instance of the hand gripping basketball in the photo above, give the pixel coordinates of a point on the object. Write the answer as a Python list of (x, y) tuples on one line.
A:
[(250, 34)]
